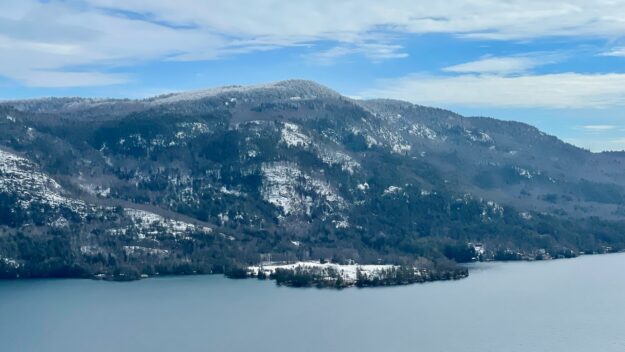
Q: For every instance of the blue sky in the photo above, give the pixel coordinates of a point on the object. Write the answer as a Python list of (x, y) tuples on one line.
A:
[(558, 65)]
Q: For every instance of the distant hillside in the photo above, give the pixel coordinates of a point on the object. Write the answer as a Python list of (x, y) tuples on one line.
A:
[(209, 181)]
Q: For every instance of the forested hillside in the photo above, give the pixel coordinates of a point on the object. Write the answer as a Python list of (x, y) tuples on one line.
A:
[(216, 180)]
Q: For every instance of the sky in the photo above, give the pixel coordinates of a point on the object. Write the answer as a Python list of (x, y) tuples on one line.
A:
[(558, 65)]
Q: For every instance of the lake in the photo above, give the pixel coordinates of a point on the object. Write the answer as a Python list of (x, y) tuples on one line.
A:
[(562, 305)]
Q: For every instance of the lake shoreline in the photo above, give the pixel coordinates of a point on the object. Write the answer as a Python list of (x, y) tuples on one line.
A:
[(441, 276)]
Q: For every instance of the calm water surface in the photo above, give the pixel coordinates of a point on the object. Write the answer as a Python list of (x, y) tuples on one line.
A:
[(564, 305)]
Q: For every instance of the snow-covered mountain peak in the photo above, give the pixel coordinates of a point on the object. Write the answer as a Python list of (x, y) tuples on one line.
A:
[(294, 89)]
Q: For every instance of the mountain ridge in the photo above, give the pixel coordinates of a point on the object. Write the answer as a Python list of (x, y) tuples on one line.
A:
[(198, 94), (295, 85)]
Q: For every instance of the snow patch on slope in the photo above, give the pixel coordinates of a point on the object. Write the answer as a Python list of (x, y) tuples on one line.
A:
[(293, 137), (478, 136), (422, 131), (151, 225), (20, 178), (332, 157), (290, 189)]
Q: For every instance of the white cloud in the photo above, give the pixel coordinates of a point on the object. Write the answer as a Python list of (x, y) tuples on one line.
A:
[(619, 51), (562, 90), (85, 39), (374, 51), (497, 65), (55, 44), (512, 19), (599, 128)]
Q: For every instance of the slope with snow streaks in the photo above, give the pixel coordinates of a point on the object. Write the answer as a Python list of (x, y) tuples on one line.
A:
[(422, 131), (287, 187), (20, 178), (292, 136), (333, 157), (150, 225)]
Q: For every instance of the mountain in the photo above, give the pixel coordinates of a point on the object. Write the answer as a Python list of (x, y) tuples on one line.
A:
[(214, 180)]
